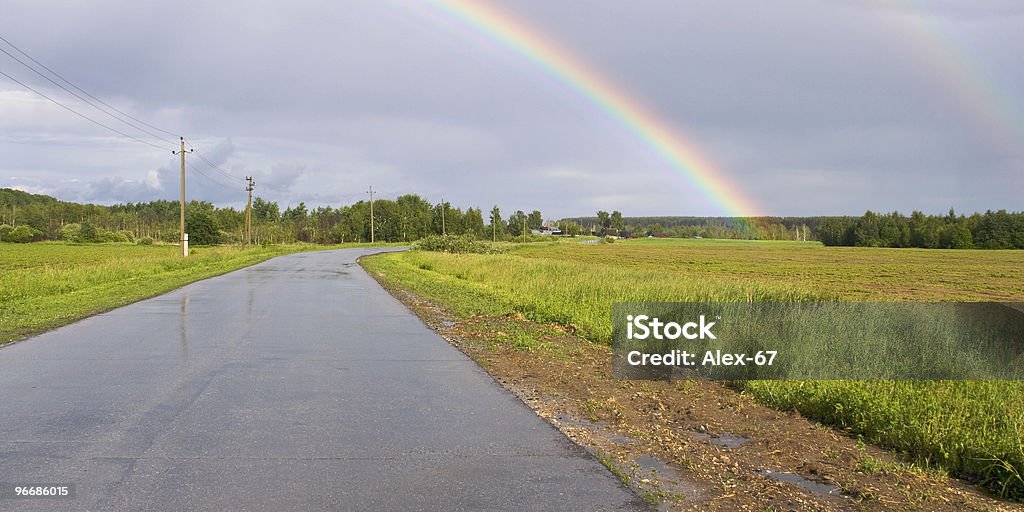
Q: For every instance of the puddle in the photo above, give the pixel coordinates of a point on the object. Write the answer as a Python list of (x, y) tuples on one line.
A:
[(666, 479), (725, 440), (565, 419), (801, 482), (651, 464), (619, 439), (649, 474), (730, 440), (700, 436)]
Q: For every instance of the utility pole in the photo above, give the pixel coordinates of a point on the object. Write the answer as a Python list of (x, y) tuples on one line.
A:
[(524, 230), (371, 214), (181, 232), (443, 208), (248, 212)]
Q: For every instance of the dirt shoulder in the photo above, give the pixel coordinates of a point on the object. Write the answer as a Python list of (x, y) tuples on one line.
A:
[(691, 445)]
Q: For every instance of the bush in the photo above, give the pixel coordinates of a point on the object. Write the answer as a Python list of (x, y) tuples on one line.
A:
[(71, 232), (87, 233), (22, 234), (103, 235), (127, 235), (454, 244), (5, 230), (201, 227), (145, 240)]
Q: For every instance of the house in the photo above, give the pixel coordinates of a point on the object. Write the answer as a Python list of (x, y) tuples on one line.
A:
[(545, 230)]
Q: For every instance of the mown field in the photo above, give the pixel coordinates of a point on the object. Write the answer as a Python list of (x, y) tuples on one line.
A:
[(972, 429), (44, 285)]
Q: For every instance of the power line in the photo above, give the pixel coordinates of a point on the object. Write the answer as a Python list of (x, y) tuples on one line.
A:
[(181, 208), (371, 213), (101, 109), (248, 211), (69, 91), (79, 114), (83, 91), (211, 179), (213, 165)]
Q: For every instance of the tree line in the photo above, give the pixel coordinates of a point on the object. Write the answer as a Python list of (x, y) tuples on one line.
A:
[(26, 217), (990, 230), (744, 228)]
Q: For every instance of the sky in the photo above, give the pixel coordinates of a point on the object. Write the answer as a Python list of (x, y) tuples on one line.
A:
[(800, 107)]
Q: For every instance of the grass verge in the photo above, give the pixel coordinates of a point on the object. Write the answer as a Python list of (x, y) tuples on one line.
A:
[(972, 429)]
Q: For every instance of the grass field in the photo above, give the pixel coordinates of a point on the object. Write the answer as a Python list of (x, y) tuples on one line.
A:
[(973, 429), (44, 285)]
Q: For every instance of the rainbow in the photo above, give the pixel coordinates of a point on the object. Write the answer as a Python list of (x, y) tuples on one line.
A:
[(681, 155), (979, 95)]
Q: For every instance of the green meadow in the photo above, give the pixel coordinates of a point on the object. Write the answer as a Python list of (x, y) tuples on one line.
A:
[(972, 429), (45, 285)]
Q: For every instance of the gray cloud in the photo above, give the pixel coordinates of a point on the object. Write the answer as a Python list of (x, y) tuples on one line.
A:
[(808, 107)]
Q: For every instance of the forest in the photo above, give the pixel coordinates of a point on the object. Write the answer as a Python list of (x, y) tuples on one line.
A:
[(26, 217), (990, 230), (744, 228)]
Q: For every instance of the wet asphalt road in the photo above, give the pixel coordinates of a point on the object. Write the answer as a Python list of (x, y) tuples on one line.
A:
[(296, 384)]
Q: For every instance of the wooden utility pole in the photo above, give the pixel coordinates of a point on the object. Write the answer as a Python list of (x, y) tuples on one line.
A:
[(248, 212), (443, 208), (181, 219), (524, 230), (371, 214)]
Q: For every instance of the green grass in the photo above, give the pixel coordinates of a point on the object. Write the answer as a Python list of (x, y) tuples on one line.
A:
[(45, 285), (574, 293), (851, 273), (973, 429)]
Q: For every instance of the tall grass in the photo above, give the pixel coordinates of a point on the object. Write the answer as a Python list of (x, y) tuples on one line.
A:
[(973, 429), (581, 295)]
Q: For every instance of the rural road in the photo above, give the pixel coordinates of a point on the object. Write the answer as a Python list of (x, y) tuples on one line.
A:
[(295, 384)]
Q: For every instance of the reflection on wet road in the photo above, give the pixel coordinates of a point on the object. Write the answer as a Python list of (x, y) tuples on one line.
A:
[(296, 384)]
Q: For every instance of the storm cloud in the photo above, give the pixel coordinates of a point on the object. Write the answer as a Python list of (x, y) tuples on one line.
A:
[(807, 107)]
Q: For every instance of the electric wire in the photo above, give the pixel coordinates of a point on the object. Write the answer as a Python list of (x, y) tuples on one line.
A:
[(210, 178), (216, 168), (83, 91), (79, 114), (211, 164), (115, 109), (69, 91)]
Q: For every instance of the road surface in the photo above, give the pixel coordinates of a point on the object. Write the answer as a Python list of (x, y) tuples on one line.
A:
[(295, 384)]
